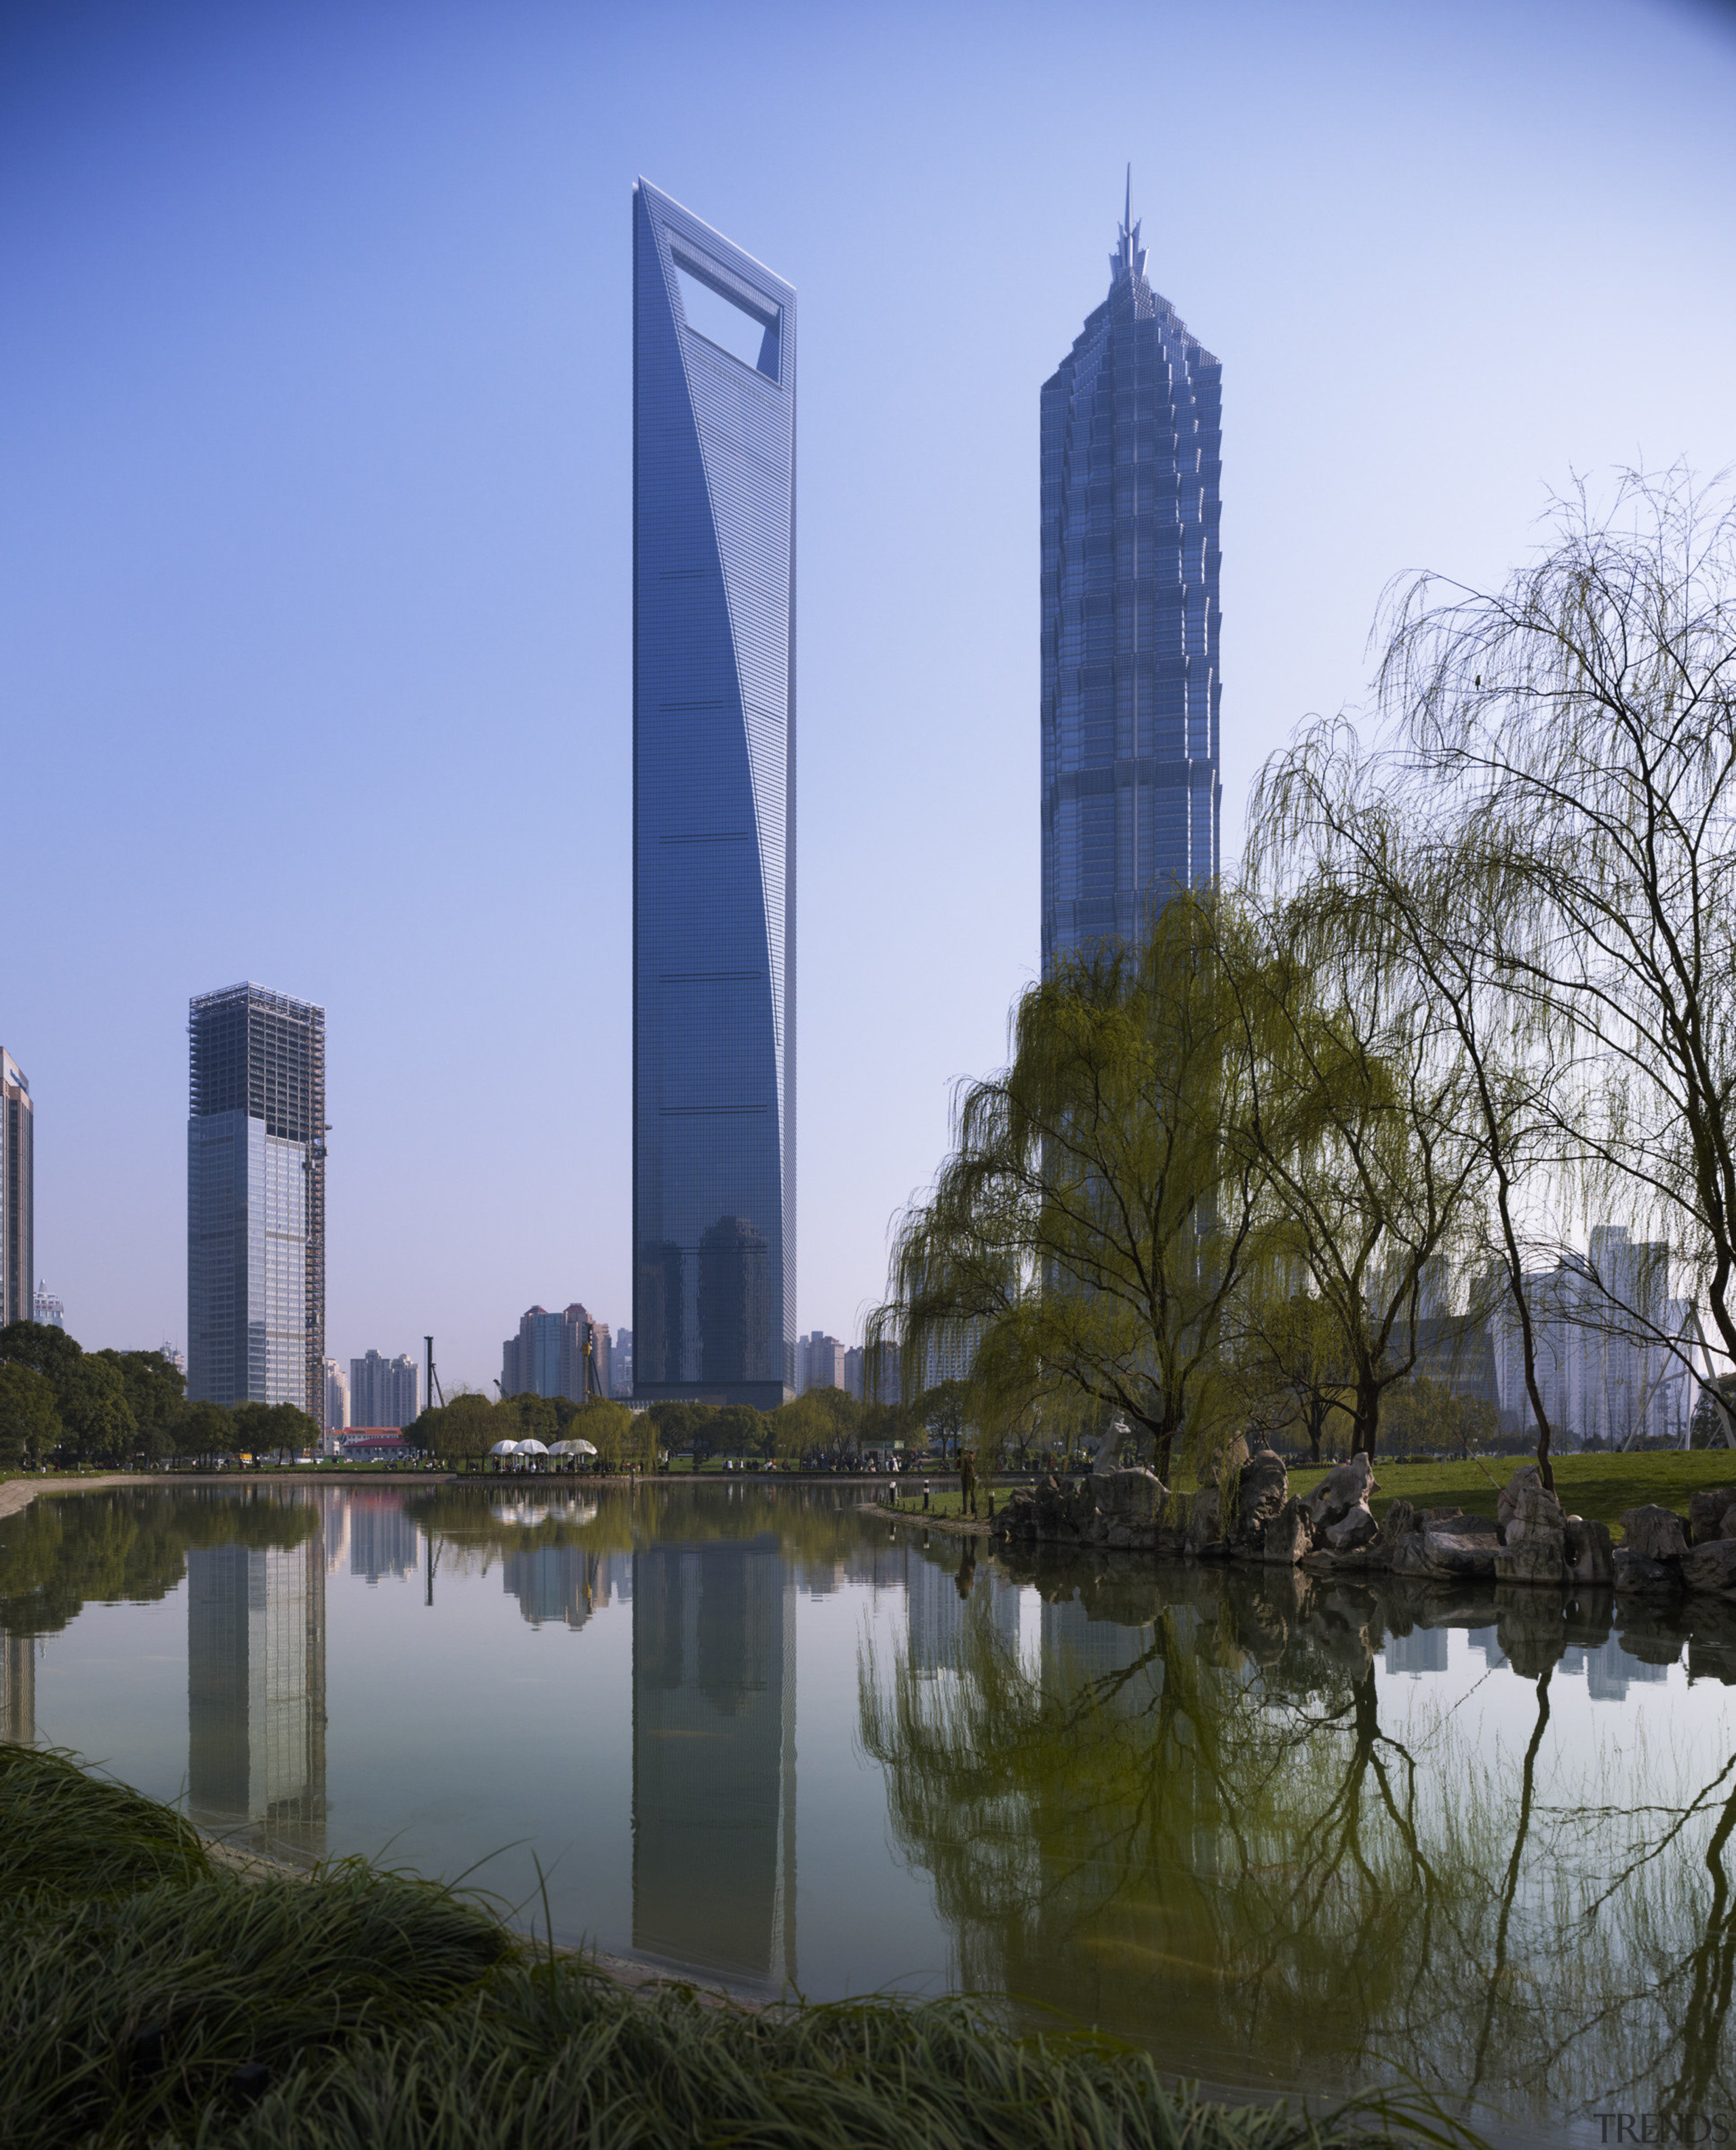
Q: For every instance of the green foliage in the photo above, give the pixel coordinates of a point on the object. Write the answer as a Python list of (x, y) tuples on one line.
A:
[(266, 1429), (1083, 1243), (29, 1420), (208, 1430), (96, 1421), (41, 1345), (610, 1428), (1423, 1413), (62, 1553), (463, 1428), (156, 1393)]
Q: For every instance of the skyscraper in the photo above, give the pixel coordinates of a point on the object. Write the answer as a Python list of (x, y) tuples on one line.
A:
[(547, 1358), (337, 1398), (1131, 442), (713, 814), (18, 1194), (385, 1392), (256, 1200)]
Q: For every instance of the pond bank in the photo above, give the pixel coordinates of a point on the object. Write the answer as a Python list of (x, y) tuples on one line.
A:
[(154, 1996)]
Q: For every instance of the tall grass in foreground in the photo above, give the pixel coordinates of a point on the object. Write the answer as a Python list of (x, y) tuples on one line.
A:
[(148, 1997)]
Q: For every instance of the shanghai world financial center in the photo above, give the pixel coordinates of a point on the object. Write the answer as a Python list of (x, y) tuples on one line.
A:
[(713, 687), (1131, 442)]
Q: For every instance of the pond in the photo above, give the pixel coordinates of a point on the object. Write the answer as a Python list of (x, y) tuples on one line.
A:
[(1290, 1834)]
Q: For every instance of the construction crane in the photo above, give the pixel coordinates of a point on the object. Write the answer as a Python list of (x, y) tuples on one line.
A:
[(434, 1387)]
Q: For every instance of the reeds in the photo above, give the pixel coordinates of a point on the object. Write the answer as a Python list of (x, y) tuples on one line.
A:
[(149, 1998)]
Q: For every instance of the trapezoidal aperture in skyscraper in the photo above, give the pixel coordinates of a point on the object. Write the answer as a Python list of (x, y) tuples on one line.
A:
[(1132, 439), (714, 716)]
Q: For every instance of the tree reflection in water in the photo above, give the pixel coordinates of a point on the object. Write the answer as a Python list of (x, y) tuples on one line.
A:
[(1240, 1846)]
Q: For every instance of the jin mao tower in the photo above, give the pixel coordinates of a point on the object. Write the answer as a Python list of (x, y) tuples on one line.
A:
[(1131, 442)]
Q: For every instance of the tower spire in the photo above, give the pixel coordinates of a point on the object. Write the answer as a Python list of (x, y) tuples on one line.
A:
[(1128, 258)]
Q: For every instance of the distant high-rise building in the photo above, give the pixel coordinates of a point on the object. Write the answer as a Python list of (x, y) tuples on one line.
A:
[(819, 1362), (1599, 1325), (714, 1229), (547, 1358), (1131, 442), (853, 1371), (384, 1391), (51, 1311), (175, 1355), (623, 1355), (17, 1193), (337, 1398), (256, 1200)]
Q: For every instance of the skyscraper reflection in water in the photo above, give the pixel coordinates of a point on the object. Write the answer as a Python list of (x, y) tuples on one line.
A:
[(256, 1695), (18, 1688), (714, 1758)]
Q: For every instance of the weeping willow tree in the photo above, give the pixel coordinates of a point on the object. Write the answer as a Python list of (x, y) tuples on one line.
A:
[(1079, 1249), (1343, 832), (1577, 727), (1359, 1121)]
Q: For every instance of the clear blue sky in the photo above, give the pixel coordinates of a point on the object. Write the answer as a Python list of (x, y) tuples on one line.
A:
[(315, 505)]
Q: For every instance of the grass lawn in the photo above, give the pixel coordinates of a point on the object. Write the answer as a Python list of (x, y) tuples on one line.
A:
[(1598, 1487)]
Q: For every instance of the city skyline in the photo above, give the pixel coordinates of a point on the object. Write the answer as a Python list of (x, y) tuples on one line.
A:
[(314, 427), (713, 832)]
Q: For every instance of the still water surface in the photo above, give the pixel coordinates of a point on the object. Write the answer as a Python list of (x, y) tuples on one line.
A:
[(1289, 1835)]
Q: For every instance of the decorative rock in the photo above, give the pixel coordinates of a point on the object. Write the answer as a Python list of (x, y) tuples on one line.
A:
[(1452, 1549), (1343, 1488), (1709, 1513), (1538, 1558), (1711, 1568), (1289, 1536), (1530, 1513), (1525, 1479), (1398, 1522), (1355, 1527), (1587, 1550), (1729, 1529), (1205, 1529), (1137, 1495), (1654, 1533), (1642, 1576), (1262, 1486)]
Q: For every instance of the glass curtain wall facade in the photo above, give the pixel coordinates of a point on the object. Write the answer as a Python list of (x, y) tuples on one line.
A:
[(256, 1200), (714, 815), (1131, 442)]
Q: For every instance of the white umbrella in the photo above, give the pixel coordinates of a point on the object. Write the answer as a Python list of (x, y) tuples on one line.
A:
[(573, 1448), (504, 1448), (532, 1448)]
